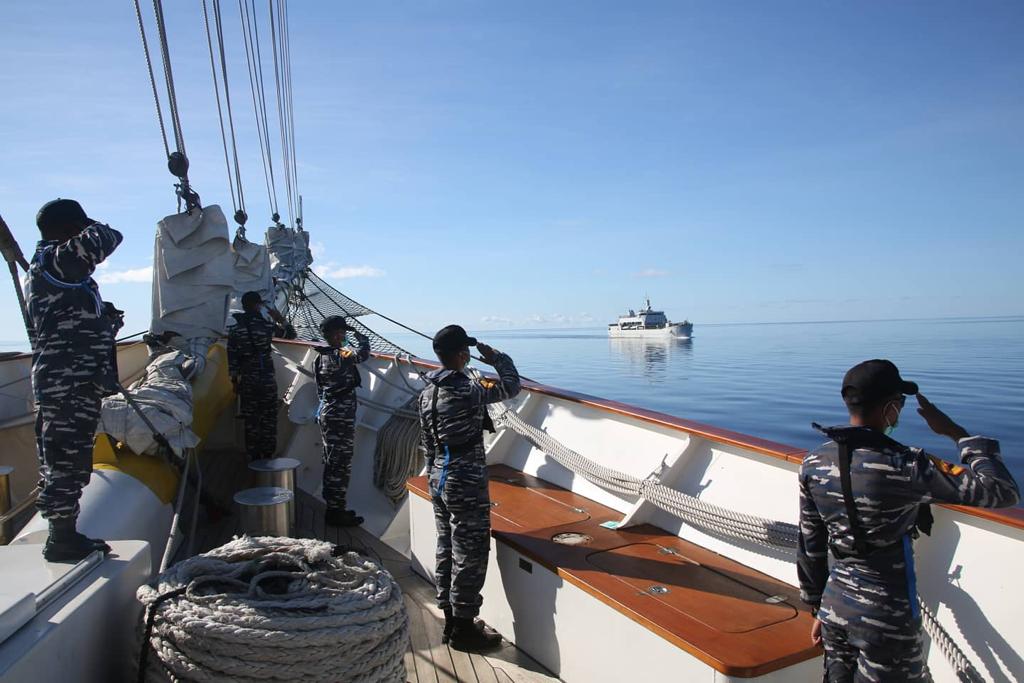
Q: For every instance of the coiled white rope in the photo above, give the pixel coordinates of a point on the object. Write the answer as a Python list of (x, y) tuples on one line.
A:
[(397, 454), (274, 609)]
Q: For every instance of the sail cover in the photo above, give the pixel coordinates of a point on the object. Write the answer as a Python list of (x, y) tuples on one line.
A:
[(252, 271), (194, 274)]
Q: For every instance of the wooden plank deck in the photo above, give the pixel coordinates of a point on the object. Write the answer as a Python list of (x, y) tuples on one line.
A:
[(428, 660)]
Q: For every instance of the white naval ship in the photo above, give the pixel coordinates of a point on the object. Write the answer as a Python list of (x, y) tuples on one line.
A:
[(649, 323), (626, 544)]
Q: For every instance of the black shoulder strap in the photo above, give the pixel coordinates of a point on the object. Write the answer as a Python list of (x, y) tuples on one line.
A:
[(433, 415), (845, 460)]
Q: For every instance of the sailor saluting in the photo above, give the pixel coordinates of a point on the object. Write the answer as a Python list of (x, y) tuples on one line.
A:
[(337, 378), (72, 364), (452, 413), (863, 498)]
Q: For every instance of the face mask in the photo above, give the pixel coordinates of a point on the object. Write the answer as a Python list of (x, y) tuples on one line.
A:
[(890, 428)]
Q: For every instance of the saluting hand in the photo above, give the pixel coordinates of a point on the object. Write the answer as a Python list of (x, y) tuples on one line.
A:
[(938, 421), (487, 353)]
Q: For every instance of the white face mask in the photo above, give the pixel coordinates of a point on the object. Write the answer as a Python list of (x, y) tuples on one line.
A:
[(890, 427)]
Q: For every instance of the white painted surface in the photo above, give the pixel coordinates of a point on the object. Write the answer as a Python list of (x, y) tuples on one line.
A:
[(88, 634), (115, 506)]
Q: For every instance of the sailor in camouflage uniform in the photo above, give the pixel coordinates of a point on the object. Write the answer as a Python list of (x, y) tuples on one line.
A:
[(336, 380), (72, 365), (252, 372), (863, 498), (452, 418)]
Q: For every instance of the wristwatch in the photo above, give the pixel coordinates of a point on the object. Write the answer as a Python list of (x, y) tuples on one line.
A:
[(814, 611)]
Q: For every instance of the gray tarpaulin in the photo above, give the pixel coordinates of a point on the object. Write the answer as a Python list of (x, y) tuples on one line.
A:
[(193, 274), (165, 396), (252, 271)]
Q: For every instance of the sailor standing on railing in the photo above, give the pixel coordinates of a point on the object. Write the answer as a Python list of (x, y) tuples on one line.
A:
[(251, 367), (863, 497), (452, 415), (72, 365), (336, 381)]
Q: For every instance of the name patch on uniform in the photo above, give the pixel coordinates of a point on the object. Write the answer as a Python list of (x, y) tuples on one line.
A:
[(946, 467)]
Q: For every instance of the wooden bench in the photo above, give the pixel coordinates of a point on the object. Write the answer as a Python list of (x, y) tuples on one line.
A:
[(736, 620)]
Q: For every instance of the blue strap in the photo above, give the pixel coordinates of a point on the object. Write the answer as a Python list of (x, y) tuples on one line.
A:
[(444, 471), (908, 558)]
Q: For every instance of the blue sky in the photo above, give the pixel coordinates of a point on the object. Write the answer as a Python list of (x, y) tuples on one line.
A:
[(547, 164)]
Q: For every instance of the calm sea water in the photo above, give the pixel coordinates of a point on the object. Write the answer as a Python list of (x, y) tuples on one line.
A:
[(773, 380)]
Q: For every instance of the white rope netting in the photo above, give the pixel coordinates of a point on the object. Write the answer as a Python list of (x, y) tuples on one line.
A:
[(275, 609)]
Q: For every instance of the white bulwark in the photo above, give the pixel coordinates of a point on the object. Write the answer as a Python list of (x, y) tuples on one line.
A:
[(649, 323)]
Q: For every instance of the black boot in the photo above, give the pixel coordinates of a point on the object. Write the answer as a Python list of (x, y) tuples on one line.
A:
[(473, 636), (65, 544), (339, 517), (449, 624)]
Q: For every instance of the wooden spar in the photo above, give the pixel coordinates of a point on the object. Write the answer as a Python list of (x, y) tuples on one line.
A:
[(14, 257)]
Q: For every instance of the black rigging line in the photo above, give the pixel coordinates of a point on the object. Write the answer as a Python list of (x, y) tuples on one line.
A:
[(152, 78), (220, 114), (286, 32), (177, 161), (254, 61), (239, 206), (275, 19)]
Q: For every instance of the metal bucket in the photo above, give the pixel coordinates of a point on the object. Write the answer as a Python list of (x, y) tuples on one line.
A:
[(278, 472), (266, 510)]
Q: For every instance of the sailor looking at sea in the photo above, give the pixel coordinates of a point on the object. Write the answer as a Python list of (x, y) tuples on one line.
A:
[(73, 365), (863, 499)]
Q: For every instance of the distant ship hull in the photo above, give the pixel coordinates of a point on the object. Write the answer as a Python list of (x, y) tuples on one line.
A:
[(674, 330)]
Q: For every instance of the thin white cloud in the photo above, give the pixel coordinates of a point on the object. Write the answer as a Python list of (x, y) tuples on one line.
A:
[(131, 275), (651, 272), (330, 270), (496, 320)]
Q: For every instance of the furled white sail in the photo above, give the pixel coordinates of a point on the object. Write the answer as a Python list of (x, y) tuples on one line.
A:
[(194, 274), (252, 271)]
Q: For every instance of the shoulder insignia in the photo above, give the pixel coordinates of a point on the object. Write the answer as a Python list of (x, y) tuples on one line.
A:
[(946, 467), (345, 353), (488, 383)]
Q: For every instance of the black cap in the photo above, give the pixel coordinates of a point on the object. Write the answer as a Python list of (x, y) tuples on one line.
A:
[(251, 299), (452, 338), (331, 323), (867, 383), (59, 213)]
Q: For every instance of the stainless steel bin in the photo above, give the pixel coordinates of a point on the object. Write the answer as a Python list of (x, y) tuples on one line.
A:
[(277, 472), (266, 510)]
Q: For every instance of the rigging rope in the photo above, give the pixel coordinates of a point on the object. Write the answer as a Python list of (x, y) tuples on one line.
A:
[(152, 78), (239, 203), (254, 63), (282, 115), (177, 161)]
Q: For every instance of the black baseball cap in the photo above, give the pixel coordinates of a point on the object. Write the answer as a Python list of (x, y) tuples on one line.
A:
[(59, 213), (867, 383), (333, 322), (452, 338)]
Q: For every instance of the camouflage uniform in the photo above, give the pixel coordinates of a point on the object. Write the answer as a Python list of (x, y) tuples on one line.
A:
[(336, 380), (871, 623), (249, 359), (451, 422), (72, 362)]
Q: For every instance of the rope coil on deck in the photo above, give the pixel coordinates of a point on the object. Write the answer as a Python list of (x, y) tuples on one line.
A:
[(275, 609)]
